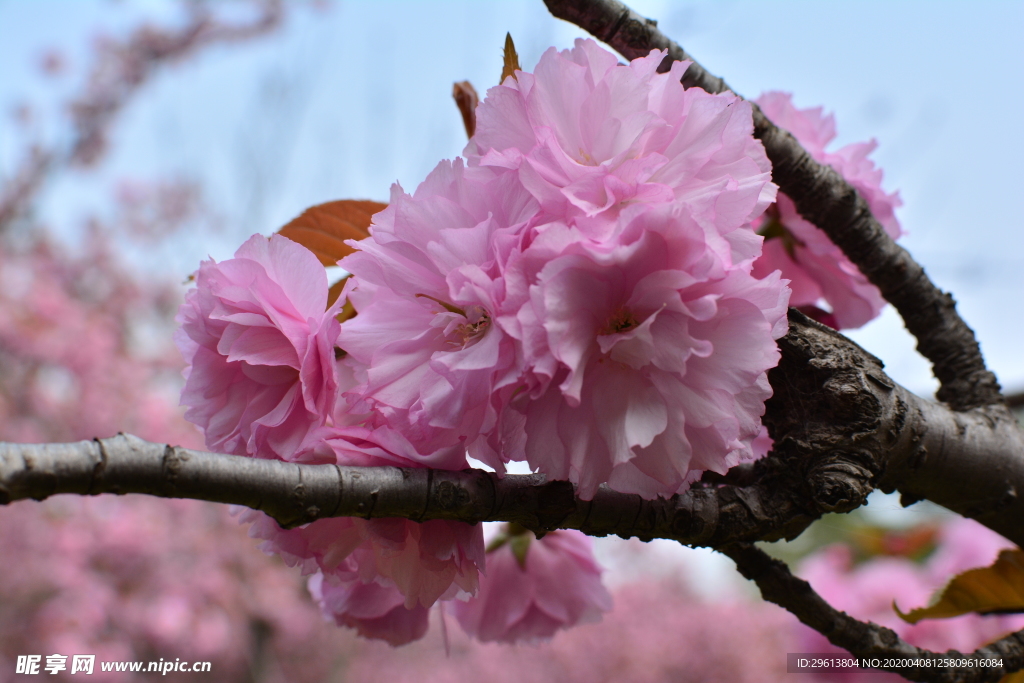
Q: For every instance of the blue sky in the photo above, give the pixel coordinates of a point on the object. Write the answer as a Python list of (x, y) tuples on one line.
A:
[(345, 101)]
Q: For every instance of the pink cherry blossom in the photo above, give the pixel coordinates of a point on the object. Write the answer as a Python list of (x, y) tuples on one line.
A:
[(379, 575), (427, 285), (818, 270), (424, 561), (600, 324), (647, 355), (589, 136), (260, 347), (659, 631), (263, 381), (376, 611), (535, 587)]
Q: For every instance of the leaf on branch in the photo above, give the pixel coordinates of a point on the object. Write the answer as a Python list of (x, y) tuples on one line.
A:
[(511, 64), (466, 100), (988, 590), (324, 228)]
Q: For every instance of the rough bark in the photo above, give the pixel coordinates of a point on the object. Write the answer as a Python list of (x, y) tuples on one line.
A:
[(825, 199), (841, 428)]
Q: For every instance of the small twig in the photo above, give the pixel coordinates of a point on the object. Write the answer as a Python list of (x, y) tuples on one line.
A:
[(868, 639)]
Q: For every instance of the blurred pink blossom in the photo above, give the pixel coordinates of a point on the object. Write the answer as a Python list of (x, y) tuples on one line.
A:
[(535, 587), (818, 271), (376, 611), (53, 62), (72, 366), (869, 590), (155, 210)]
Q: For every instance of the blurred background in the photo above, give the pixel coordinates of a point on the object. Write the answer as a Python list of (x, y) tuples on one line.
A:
[(138, 137)]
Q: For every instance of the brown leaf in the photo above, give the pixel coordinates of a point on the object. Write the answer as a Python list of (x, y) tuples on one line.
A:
[(324, 228), (999, 588), (511, 64), (466, 100), (1017, 677)]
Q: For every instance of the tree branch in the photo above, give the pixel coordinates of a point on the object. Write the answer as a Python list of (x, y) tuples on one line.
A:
[(778, 585), (824, 198), (841, 428)]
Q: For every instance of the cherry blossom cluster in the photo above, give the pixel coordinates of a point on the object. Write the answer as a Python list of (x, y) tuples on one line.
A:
[(582, 292), (819, 273)]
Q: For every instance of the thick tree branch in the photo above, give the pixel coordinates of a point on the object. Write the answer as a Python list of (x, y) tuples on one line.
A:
[(778, 585), (824, 198), (841, 428), (841, 424), (295, 494)]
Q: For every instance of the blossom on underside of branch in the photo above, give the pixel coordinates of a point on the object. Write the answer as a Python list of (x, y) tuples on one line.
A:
[(818, 271), (375, 610), (534, 588)]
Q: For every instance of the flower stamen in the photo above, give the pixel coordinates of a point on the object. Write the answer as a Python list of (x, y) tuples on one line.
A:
[(621, 321), (468, 332)]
